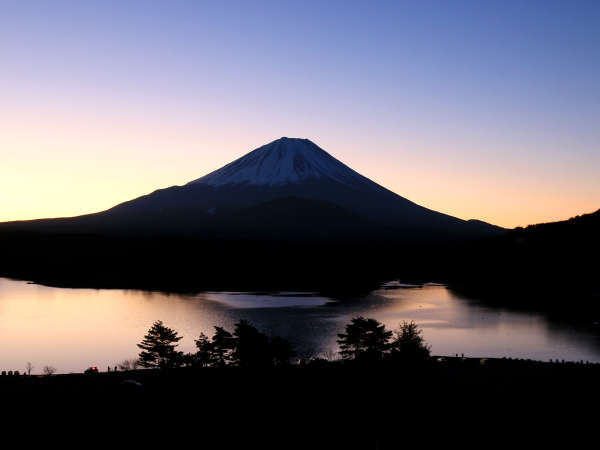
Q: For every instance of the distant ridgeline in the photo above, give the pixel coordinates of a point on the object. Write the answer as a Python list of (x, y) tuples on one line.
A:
[(552, 265)]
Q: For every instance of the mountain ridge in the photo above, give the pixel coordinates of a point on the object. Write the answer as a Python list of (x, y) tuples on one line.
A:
[(284, 168)]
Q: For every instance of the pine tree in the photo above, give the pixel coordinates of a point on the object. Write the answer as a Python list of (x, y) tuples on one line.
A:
[(364, 339), (251, 346), (281, 351), (408, 344), (204, 354), (222, 347), (158, 347)]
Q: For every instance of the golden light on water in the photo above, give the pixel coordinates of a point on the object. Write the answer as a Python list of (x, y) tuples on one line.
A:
[(72, 329)]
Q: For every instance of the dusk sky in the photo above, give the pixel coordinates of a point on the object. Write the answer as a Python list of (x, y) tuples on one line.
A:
[(477, 109)]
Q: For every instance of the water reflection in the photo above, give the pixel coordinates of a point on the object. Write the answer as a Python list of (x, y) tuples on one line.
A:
[(75, 328)]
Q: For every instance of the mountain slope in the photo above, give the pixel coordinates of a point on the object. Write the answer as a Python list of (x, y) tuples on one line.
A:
[(288, 168), (285, 161), (283, 169)]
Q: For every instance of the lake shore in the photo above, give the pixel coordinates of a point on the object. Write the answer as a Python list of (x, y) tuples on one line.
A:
[(449, 371), (327, 405)]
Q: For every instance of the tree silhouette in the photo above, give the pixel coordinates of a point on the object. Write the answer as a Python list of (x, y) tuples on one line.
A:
[(408, 343), (158, 347), (246, 347), (49, 370), (222, 346), (364, 339), (216, 352), (251, 346), (204, 353), (129, 364), (281, 351)]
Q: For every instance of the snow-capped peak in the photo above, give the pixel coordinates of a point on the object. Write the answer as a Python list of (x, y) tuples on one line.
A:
[(284, 161)]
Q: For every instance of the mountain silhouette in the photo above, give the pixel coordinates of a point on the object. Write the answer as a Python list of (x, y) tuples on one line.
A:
[(286, 215), (287, 178)]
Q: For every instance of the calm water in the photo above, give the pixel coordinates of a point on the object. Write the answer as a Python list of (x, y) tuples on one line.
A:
[(72, 329)]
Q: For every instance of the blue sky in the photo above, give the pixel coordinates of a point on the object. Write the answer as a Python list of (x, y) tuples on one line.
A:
[(479, 109)]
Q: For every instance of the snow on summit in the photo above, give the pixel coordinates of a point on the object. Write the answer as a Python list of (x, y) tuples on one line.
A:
[(284, 161)]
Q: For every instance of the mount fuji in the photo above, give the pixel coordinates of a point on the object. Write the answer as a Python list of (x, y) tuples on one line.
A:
[(287, 189), (285, 215)]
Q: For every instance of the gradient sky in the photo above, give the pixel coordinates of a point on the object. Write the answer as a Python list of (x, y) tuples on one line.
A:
[(478, 109)]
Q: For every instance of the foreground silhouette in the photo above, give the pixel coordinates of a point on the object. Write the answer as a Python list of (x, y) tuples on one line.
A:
[(364, 341), (233, 396), (158, 347), (246, 347)]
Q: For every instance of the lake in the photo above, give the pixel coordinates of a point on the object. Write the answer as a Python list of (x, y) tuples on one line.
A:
[(72, 329)]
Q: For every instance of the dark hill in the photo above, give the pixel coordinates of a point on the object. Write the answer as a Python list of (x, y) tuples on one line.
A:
[(549, 266)]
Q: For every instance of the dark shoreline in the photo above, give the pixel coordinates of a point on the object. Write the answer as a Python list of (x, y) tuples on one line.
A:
[(548, 268), (336, 385)]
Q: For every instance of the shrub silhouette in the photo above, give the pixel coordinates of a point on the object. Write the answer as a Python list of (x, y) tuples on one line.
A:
[(48, 370), (129, 364)]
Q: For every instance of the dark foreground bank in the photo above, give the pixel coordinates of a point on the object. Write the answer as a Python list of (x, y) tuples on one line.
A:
[(324, 384), (322, 405)]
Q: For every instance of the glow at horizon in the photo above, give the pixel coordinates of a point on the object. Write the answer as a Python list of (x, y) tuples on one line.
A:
[(486, 110)]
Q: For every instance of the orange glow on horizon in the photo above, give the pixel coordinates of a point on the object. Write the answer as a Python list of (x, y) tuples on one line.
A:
[(68, 166), (486, 113)]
